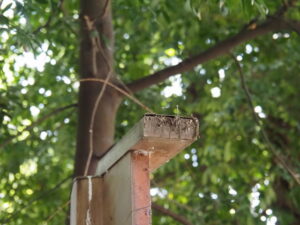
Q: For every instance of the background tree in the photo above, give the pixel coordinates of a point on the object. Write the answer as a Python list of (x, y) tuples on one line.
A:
[(232, 64)]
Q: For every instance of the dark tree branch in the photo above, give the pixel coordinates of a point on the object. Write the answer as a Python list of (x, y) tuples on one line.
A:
[(280, 158), (51, 16), (294, 25), (272, 23), (44, 26), (171, 214), (37, 122), (58, 210), (284, 8)]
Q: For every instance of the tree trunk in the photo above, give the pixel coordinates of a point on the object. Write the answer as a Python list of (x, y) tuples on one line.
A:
[(95, 62)]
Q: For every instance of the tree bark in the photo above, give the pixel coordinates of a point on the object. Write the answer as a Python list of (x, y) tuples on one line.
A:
[(98, 13)]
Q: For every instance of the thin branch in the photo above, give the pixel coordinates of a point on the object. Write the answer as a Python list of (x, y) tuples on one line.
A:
[(46, 25), (121, 91), (37, 122), (58, 210), (41, 196), (91, 128), (171, 214), (97, 47), (258, 121), (246, 90), (272, 23), (49, 20)]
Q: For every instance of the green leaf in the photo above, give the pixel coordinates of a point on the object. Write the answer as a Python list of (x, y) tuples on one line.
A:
[(227, 152), (4, 20)]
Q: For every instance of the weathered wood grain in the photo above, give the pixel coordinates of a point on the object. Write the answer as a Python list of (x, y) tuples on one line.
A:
[(86, 201), (127, 191), (162, 136)]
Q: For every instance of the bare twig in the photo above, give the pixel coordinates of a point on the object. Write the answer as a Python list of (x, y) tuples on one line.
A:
[(58, 210), (246, 90), (171, 214), (121, 91), (91, 128), (37, 122), (265, 136), (97, 47), (49, 20)]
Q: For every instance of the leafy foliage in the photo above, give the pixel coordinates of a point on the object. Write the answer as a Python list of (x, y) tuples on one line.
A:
[(229, 176)]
